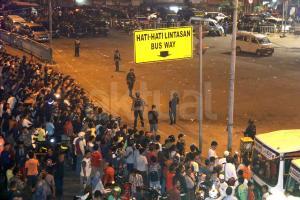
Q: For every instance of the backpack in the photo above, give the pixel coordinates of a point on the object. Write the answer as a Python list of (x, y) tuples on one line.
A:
[(153, 176), (77, 147), (138, 102)]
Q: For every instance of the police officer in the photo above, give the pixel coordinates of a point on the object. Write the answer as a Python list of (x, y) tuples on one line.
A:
[(117, 58), (77, 47), (173, 108), (138, 105), (130, 80)]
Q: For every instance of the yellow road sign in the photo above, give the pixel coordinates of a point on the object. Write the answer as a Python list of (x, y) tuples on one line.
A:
[(163, 44)]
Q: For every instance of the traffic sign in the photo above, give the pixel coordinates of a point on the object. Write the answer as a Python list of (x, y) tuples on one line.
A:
[(154, 45)]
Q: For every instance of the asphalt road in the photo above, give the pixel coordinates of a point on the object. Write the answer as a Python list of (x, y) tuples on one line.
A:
[(267, 88)]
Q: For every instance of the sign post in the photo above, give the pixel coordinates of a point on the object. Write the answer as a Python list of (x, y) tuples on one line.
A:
[(155, 45)]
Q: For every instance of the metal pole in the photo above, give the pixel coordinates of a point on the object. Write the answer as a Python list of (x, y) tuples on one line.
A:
[(50, 25), (201, 86), (283, 19), (232, 77)]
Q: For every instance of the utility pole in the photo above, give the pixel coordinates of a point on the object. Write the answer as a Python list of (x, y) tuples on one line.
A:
[(201, 86), (50, 24), (232, 77), (283, 19)]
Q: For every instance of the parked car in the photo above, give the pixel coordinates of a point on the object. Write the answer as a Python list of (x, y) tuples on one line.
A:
[(253, 43), (99, 27), (35, 31), (215, 15), (13, 23), (211, 25), (74, 30)]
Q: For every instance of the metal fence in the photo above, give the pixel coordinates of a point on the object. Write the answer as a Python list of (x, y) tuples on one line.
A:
[(32, 47)]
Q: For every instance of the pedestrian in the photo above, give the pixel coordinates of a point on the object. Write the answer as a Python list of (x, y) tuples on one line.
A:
[(136, 181), (212, 150), (130, 78), (31, 170), (265, 192), (173, 108), (79, 150), (59, 176), (77, 47), (226, 26), (138, 105), (241, 191), (251, 193), (117, 59), (250, 130), (86, 169), (153, 119), (229, 194)]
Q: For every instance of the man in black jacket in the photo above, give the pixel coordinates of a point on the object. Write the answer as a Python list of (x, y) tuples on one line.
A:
[(130, 79), (153, 119)]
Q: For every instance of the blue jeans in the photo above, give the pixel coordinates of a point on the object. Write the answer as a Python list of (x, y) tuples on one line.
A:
[(138, 113), (172, 115), (79, 159)]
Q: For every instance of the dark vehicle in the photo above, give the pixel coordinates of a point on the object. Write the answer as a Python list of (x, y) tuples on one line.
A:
[(99, 27), (71, 31), (250, 22)]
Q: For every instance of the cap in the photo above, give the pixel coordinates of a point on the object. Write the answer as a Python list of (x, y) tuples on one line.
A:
[(226, 153), (221, 176)]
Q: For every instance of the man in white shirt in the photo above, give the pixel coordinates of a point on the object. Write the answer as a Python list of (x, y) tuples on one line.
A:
[(142, 165), (229, 169), (129, 155), (79, 148), (85, 171), (222, 161), (12, 102), (212, 150)]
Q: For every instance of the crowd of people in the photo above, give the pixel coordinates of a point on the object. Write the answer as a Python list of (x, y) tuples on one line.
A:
[(48, 123)]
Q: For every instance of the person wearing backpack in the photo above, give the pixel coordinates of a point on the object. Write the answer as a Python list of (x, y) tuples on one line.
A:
[(154, 173), (153, 119), (138, 105)]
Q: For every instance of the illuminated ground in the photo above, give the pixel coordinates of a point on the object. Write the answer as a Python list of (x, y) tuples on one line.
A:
[(267, 88)]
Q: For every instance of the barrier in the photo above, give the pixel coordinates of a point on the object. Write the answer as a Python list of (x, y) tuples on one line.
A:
[(23, 43), (267, 29)]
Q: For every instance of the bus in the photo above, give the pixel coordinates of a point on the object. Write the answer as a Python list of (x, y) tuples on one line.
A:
[(272, 157)]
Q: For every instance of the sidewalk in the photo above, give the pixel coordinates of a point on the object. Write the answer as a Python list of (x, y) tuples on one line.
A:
[(291, 41)]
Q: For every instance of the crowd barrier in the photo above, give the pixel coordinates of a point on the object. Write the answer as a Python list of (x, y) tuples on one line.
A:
[(267, 29), (27, 45)]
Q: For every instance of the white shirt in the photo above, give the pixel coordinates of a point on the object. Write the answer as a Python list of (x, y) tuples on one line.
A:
[(222, 189), (141, 163), (11, 101), (212, 153), (230, 171), (222, 162), (88, 167), (82, 145), (129, 155)]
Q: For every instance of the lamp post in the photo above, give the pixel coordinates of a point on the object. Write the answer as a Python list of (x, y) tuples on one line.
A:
[(232, 77)]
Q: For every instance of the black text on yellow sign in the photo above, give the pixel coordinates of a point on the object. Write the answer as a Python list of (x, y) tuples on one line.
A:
[(163, 44)]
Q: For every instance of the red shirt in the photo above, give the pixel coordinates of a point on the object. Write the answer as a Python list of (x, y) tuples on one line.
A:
[(96, 158), (169, 180)]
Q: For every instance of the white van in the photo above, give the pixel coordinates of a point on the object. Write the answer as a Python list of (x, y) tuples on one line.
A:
[(211, 25), (253, 43), (272, 157)]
